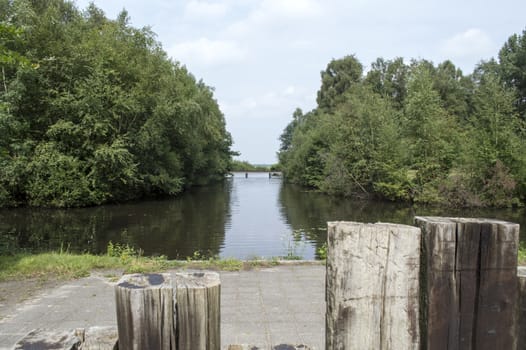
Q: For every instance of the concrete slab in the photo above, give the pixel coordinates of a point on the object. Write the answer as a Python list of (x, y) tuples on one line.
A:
[(282, 304)]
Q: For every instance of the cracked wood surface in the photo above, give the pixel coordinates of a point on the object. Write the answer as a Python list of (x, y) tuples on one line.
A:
[(469, 283), (372, 286)]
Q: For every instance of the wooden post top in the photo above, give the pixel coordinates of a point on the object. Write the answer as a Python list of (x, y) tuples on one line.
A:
[(441, 219), (355, 223), (143, 281), (197, 279)]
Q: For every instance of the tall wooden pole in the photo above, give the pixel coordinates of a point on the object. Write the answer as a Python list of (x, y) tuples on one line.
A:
[(469, 283), (372, 286)]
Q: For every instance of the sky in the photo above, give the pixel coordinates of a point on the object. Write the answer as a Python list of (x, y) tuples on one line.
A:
[(264, 57)]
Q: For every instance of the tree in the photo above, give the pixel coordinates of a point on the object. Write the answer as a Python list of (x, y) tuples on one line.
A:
[(512, 64), (495, 157), (337, 78), (103, 115), (286, 136), (389, 79), (454, 89), (415, 132)]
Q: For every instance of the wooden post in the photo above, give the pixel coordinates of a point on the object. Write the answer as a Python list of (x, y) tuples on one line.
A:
[(276, 347), (372, 286), (198, 311), (99, 338), (521, 341), (469, 283), (145, 312)]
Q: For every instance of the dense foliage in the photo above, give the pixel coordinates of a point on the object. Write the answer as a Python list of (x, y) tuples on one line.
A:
[(415, 132), (243, 165), (92, 110)]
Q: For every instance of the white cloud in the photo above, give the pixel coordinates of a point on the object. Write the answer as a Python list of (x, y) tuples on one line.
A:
[(204, 9), (290, 90), (302, 44), (270, 105), (291, 8), (270, 14), (208, 52), (472, 42)]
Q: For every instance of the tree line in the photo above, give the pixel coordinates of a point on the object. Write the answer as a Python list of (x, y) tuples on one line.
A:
[(415, 131), (92, 110)]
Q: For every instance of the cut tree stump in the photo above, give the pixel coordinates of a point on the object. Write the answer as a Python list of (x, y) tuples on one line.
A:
[(372, 286), (145, 312), (198, 310), (469, 283)]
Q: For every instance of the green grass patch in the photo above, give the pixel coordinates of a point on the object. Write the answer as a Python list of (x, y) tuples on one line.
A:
[(228, 264), (67, 265), (522, 254)]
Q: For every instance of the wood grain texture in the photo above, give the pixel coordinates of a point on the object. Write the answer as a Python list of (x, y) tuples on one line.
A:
[(521, 341), (372, 286), (198, 311), (275, 347), (145, 312), (469, 283), (100, 338)]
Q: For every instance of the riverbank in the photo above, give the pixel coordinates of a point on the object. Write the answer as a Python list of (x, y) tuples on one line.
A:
[(67, 266)]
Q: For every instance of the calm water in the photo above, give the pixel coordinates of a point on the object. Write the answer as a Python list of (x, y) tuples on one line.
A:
[(242, 218)]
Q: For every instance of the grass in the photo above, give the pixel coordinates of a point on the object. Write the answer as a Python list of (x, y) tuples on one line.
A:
[(522, 254), (62, 265), (65, 265)]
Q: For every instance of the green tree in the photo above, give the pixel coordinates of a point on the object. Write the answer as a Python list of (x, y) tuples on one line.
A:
[(389, 79), (454, 89), (512, 65), (495, 158), (102, 115), (286, 136), (431, 135), (337, 78)]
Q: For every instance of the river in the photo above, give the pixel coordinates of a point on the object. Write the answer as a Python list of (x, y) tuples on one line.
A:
[(243, 217)]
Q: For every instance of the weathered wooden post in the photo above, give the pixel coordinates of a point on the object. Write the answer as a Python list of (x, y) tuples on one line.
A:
[(469, 283), (372, 286), (198, 311), (521, 341), (145, 312)]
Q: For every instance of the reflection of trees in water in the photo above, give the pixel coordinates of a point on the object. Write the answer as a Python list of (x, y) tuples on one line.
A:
[(193, 221), (308, 212), (45, 229)]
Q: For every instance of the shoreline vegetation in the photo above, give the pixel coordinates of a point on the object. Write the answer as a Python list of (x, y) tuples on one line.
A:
[(93, 111), (245, 166), (65, 265), (415, 132)]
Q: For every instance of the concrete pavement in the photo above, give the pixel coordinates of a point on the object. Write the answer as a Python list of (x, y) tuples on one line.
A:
[(263, 307)]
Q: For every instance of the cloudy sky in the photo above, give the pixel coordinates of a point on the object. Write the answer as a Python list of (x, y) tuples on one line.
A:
[(264, 57)]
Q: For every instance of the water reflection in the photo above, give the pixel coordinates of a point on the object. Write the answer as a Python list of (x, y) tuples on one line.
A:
[(258, 227), (175, 227), (243, 217), (307, 212)]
